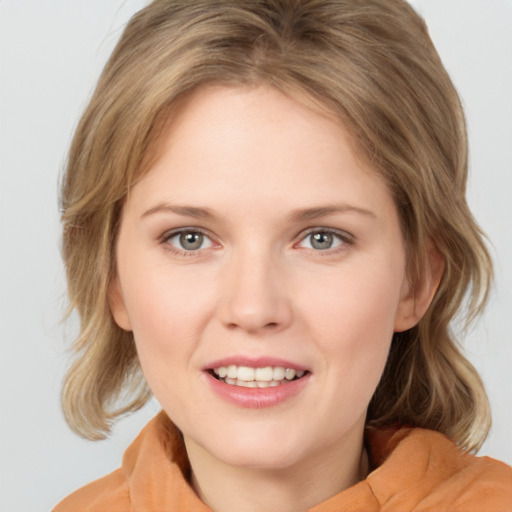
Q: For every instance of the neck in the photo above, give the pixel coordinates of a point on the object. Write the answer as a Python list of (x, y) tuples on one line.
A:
[(226, 488)]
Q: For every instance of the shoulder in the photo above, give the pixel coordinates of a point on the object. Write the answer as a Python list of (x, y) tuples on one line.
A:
[(151, 477), (112, 492), (108, 493), (420, 469)]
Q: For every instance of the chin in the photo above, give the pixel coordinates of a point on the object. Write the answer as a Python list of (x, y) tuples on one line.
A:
[(259, 460), (257, 450)]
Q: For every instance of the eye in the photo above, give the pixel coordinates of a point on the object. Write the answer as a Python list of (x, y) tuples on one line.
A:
[(323, 240), (188, 240)]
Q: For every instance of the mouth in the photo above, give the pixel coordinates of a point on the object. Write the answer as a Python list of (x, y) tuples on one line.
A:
[(262, 377)]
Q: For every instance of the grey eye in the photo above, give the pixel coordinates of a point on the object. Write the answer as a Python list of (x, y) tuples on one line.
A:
[(321, 241), (189, 241)]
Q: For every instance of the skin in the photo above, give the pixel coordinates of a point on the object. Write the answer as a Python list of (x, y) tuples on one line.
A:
[(267, 169)]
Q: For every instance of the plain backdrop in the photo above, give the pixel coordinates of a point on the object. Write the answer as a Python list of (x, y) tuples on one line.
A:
[(51, 53)]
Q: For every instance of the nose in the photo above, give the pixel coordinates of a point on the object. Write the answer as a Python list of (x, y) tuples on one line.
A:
[(255, 295)]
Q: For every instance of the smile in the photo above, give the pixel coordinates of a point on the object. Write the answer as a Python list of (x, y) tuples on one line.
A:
[(264, 377)]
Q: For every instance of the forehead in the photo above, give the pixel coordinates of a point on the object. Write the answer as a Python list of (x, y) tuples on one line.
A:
[(256, 147)]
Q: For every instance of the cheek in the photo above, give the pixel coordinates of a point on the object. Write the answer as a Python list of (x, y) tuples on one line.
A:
[(165, 319), (165, 338), (354, 323), (162, 300), (358, 305)]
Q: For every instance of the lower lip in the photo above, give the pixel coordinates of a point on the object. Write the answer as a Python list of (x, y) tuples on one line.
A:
[(257, 398)]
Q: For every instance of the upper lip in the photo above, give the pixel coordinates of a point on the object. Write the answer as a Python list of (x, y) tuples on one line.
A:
[(255, 362)]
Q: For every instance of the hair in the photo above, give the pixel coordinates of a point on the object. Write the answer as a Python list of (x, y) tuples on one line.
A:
[(372, 64)]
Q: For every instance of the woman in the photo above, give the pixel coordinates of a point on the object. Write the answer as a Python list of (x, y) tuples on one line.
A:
[(265, 226)]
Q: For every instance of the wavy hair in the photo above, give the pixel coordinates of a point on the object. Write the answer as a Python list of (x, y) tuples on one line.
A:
[(372, 64)]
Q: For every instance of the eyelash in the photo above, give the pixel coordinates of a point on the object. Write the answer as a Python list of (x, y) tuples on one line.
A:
[(343, 237), (167, 237)]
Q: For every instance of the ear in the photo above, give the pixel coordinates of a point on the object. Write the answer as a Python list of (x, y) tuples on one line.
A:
[(417, 297), (117, 305)]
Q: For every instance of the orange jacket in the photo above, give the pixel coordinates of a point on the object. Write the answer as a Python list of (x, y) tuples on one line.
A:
[(416, 470)]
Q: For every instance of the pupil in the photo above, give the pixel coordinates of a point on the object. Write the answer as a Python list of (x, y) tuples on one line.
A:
[(321, 241), (191, 241)]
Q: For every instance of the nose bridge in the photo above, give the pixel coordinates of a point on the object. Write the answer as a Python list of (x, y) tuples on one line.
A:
[(254, 293)]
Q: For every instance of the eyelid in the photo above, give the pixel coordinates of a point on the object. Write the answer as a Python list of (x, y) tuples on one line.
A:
[(344, 236), (168, 235)]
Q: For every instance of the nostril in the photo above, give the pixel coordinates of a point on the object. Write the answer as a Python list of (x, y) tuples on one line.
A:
[(269, 326)]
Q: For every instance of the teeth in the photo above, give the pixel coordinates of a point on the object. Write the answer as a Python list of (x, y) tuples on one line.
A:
[(289, 373), (232, 372), (246, 384), (246, 374), (264, 374), (279, 372), (248, 377)]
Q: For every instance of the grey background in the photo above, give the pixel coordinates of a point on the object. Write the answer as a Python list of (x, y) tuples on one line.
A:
[(51, 53)]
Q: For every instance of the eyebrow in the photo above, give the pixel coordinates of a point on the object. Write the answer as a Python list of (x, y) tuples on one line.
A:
[(324, 211), (296, 215), (186, 211)]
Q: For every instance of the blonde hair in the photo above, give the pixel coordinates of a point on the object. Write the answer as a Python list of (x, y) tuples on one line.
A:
[(372, 64)]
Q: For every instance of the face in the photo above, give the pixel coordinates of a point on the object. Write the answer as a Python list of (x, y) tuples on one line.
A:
[(261, 268)]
